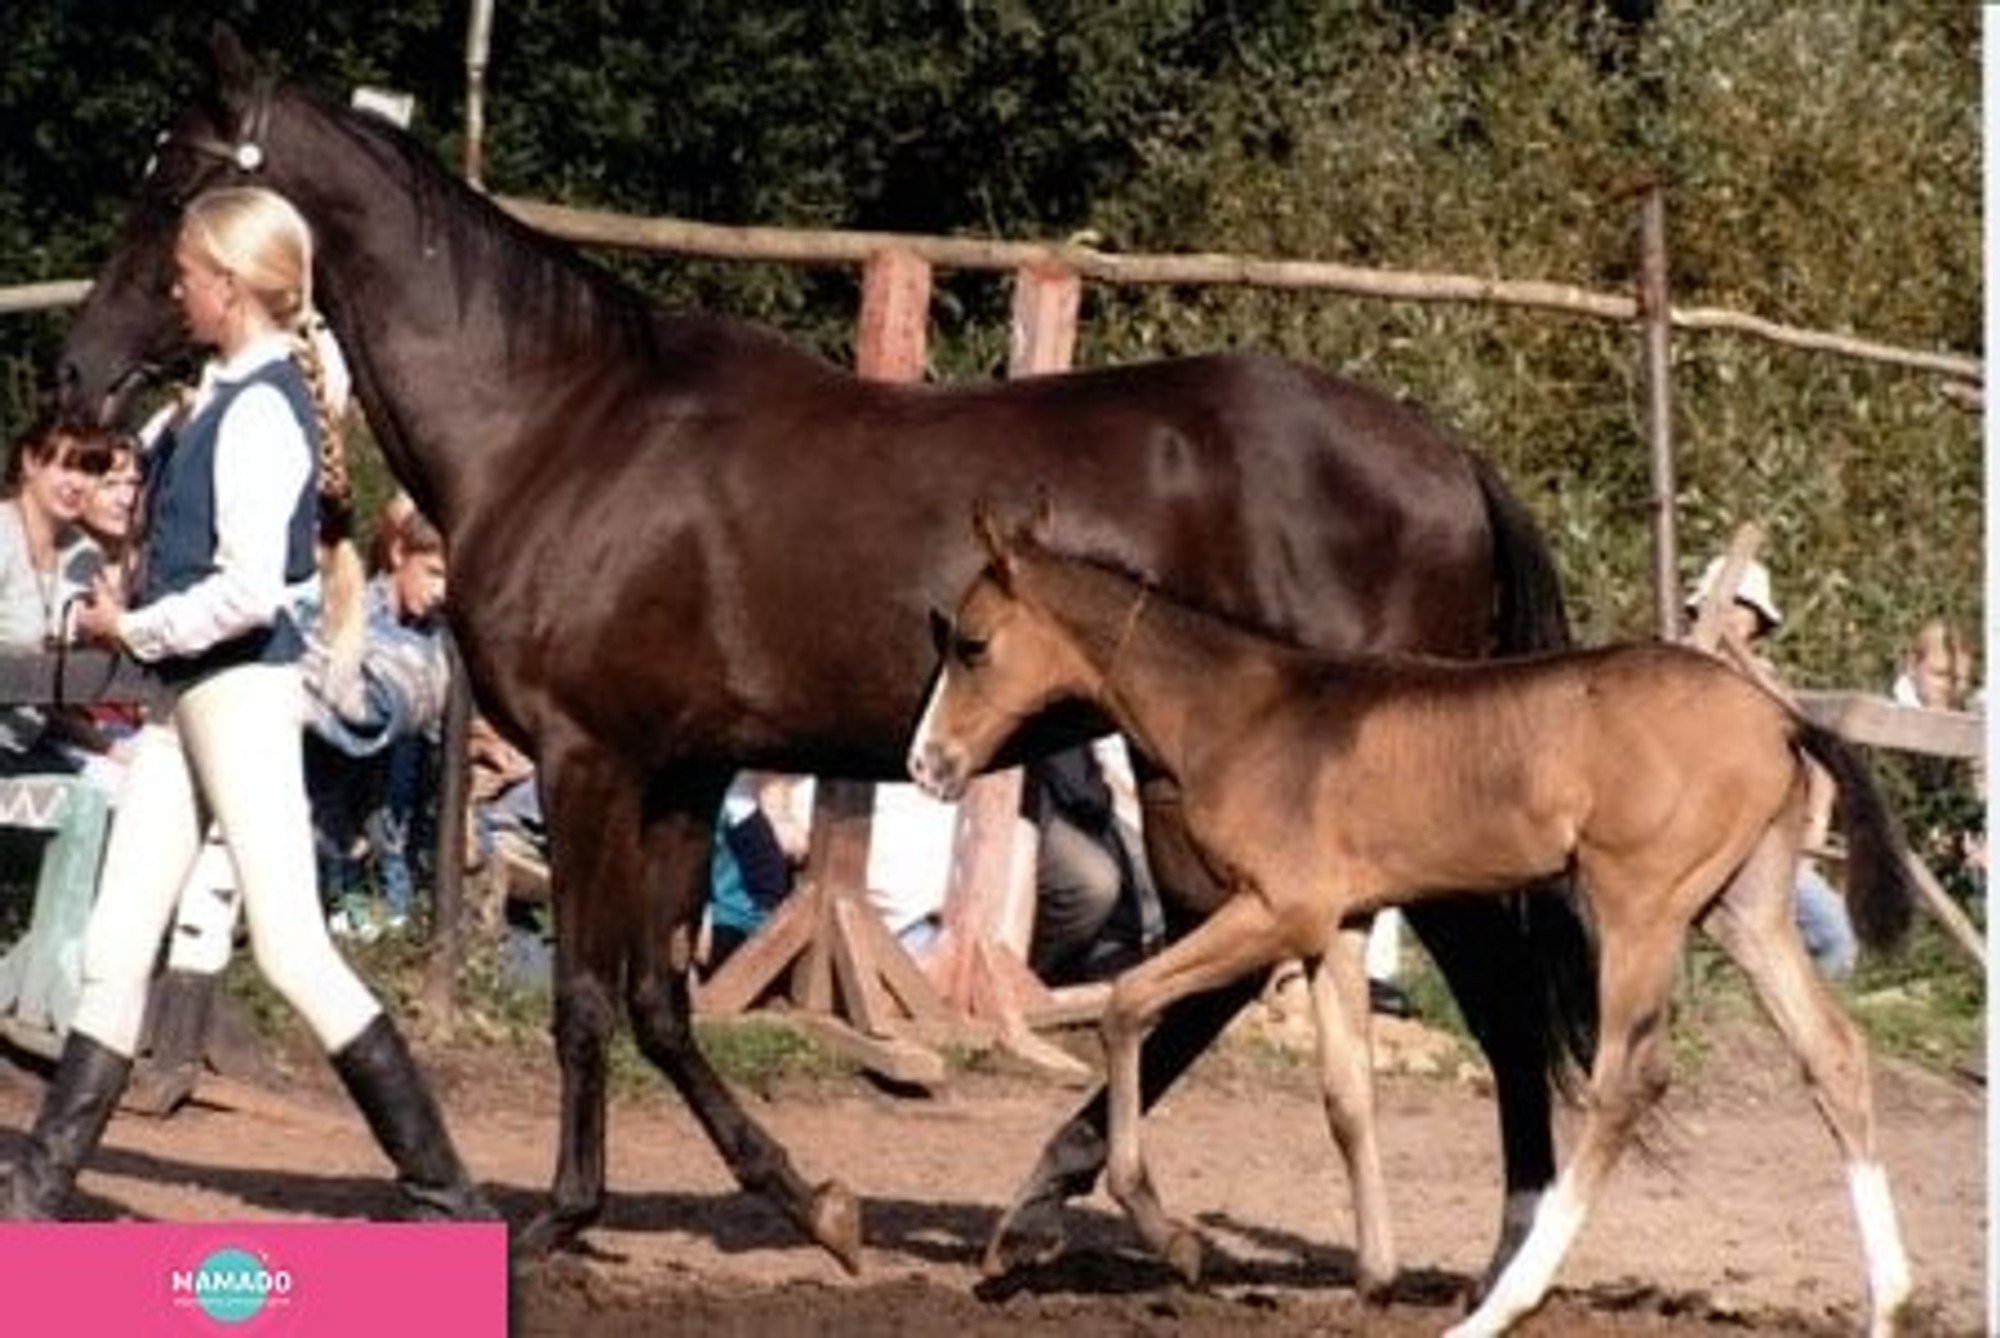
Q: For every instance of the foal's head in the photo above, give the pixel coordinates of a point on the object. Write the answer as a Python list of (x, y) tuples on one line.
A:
[(1003, 657)]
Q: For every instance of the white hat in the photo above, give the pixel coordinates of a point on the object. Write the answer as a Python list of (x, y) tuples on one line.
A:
[(1753, 590)]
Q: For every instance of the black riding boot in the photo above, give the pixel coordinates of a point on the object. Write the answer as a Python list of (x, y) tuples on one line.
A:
[(75, 1109), (384, 1081), (166, 1078)]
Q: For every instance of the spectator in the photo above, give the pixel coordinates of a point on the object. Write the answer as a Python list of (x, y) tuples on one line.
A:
[(1750, 615), (1948, 822), (761, 842), (374, 718), (1095, 909), (49, 474)]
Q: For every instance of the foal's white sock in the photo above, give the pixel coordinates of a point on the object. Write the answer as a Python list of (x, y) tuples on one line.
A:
[(1881, 1242)]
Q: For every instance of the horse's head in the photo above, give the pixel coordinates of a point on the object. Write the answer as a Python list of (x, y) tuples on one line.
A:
[(1002, 659), (130, 326)]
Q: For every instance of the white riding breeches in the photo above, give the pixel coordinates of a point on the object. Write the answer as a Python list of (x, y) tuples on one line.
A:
[(234, 754)]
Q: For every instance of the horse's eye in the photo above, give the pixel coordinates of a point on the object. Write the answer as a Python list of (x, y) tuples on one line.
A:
[(968, 650)]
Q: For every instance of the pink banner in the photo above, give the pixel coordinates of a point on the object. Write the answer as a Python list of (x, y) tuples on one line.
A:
[(261, 1279)]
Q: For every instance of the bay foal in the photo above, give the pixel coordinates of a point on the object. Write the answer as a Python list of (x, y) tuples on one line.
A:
[(1320, 788)]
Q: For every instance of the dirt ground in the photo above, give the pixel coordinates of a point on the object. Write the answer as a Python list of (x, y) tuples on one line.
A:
[(1735, 1219)]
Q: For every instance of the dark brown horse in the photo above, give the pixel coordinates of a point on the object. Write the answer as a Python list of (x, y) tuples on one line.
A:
[(1319, 788), (681, 547)]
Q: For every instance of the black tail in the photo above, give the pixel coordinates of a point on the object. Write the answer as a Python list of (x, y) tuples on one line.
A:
[(1530, 617), (1881, 893)]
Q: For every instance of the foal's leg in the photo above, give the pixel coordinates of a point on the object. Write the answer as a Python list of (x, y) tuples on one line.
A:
[(1030, 1231), (1339, 985), (1636, 971), (1755, 926), (1237, 939)]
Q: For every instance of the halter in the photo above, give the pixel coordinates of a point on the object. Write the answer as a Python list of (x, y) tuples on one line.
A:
[(1124, 635), (247, 153)]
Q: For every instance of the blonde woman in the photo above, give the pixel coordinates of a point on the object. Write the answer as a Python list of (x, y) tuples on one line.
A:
[(229, 556)]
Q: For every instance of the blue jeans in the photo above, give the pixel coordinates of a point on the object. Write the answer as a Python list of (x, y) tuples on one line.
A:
[(1823, 924)]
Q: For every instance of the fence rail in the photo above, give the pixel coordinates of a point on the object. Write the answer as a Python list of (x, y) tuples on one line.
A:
[(806, 246)]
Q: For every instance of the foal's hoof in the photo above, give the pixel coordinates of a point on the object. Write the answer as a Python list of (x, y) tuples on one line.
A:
[(836, 1223), (1183, 1254), (1375, 1289)]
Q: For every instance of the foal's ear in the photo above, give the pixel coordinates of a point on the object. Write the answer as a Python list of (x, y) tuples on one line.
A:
[(993, 538), (986, 528)]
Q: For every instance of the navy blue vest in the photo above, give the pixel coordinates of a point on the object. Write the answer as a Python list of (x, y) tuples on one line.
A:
[(180, 525)]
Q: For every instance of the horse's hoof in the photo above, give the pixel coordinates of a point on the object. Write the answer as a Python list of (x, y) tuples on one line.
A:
[(549, 1232), (1026, 1238), (836, 1223), (1183, 1254)]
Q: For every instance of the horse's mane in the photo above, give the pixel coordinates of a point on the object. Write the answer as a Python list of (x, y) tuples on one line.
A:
[(554, 289)]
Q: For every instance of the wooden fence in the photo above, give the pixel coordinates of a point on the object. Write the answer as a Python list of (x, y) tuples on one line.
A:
[(848, 976)]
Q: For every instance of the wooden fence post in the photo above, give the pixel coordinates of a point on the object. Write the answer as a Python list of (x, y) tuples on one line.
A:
[(853, 984), (990, 906), (1656, 320)]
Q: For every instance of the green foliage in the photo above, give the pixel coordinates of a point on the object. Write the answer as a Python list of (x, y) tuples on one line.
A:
[(1821, 164)]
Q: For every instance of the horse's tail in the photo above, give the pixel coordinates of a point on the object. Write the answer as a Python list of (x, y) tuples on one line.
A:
[(1530, 616), (1881, 892)]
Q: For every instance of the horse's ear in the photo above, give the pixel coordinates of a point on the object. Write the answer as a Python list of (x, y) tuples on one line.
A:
[(233, 71)]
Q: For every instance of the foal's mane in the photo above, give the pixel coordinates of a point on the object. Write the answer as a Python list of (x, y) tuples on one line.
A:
[(1112, 589), (553, 289)]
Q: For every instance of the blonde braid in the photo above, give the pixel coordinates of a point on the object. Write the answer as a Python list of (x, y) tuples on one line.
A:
[(343, 620)]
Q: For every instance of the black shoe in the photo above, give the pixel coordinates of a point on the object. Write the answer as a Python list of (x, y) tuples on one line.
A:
[(1387, 998)]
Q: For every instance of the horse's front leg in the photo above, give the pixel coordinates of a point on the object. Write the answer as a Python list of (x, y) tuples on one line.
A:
[(677, 845), (593, 871)]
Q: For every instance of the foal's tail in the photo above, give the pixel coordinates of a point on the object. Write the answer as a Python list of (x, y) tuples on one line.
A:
[(1530, 617), (1881, 895)]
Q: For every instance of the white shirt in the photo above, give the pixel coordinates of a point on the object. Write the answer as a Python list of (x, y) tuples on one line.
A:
[(262, 460)]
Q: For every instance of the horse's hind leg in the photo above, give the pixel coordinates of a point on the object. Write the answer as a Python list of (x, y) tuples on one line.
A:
[(1339, 985), (1487, 957), (1636, 971), (1754, 924)]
